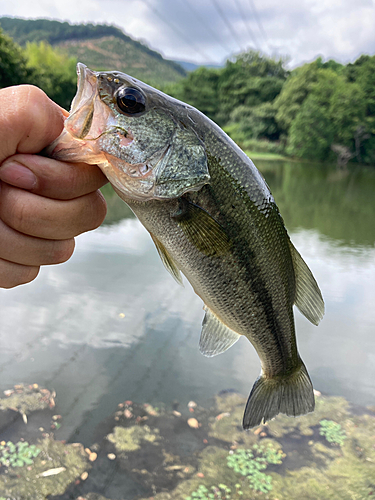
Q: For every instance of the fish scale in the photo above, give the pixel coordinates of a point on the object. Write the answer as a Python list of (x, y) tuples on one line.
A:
[(211, 216)]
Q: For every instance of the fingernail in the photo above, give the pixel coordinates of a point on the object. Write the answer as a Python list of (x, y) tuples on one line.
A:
[(17, 175)]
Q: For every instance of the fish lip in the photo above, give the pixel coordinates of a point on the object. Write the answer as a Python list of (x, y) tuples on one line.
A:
[(80, 84), (84, 106), (85, 76)]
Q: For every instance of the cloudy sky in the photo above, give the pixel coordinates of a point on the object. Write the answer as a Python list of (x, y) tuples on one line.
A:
[(205, 31)]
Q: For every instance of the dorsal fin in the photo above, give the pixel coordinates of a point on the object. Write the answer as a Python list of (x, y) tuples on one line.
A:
[(215, 337), (308, 297), (167, 260)]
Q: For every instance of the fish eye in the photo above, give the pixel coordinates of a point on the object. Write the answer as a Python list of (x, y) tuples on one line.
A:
[(130, 100)]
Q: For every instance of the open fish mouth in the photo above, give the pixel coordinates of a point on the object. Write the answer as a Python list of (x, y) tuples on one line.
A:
[(86, 86), (87, 104), (89, 119)]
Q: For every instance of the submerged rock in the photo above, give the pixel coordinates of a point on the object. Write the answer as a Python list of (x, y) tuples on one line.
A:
[(26, 399), (130, 438)]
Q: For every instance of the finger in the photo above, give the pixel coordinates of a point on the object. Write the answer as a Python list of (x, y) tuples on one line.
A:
[(12, 274), (51, 178), (41, 217), (29, 120), (30, 251)]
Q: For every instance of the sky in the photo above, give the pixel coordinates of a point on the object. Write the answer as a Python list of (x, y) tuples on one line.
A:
[(211, 31)]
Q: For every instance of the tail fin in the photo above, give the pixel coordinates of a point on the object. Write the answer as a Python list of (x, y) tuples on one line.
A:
[(292, 395)]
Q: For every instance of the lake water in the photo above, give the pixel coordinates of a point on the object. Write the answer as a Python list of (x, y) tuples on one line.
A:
[(111, 324)]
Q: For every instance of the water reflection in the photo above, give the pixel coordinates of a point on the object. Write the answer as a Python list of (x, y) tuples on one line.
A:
[(337, 204), (117, 209), (111, 324)]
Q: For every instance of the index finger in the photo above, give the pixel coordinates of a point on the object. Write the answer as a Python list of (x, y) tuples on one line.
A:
[(52, 179)]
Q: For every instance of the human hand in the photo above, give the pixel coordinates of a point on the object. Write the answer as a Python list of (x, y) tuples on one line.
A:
[(44, 203)]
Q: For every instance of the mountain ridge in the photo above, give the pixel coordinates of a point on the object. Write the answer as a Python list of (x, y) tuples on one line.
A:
[(100, 46)]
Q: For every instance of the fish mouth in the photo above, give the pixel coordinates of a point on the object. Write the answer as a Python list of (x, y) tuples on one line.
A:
[(86, 86), (88, 121), (84, 103)]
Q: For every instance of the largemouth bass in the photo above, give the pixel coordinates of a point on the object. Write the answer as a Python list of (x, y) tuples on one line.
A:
[(211, 216)]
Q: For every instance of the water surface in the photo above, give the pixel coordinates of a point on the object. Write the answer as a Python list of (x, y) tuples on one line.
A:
[(111, 324)]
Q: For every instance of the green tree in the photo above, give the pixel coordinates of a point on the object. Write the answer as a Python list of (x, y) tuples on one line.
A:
[(303, 110), (39, 64), (199, 89), (250, 80), (294, 92), (53, 71), (258, 122), (246, 82), (13, 63), (362, 72), (331, 64), (347, 111), (325, 109), (299, 85), (311, 132)]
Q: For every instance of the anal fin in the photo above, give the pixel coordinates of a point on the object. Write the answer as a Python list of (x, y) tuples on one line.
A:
[(167, 260), (215, 337), (308, 297)]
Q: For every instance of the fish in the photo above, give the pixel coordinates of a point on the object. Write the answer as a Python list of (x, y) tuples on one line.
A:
[(212, 218)]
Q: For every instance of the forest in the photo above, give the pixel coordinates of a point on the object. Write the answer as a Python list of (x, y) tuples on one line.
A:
[(318, 111), (323, 111)]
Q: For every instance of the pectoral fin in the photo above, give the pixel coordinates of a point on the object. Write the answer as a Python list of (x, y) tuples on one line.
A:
[(202, 230), (167, 260), (308, 297), (215, 337)]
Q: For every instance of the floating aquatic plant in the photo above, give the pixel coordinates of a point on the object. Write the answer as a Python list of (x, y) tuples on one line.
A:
[(252, 462), (17, 454), (202, 493), (332, 431), (220, 492)]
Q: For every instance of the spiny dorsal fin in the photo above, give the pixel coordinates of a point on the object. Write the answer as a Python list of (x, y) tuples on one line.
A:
[(201, 229), (167, 260), (308, 297), (215, 337)]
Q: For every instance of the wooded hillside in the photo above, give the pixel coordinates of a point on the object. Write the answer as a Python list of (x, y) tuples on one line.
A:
[(101, 47)]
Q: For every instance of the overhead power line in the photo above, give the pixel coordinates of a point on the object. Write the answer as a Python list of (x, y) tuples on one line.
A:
[(258, 21), (206, 26), (247, 26), (227, 23), (176, 30)]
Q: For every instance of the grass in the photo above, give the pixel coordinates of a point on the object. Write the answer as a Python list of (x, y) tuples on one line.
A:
[(256, 155)]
